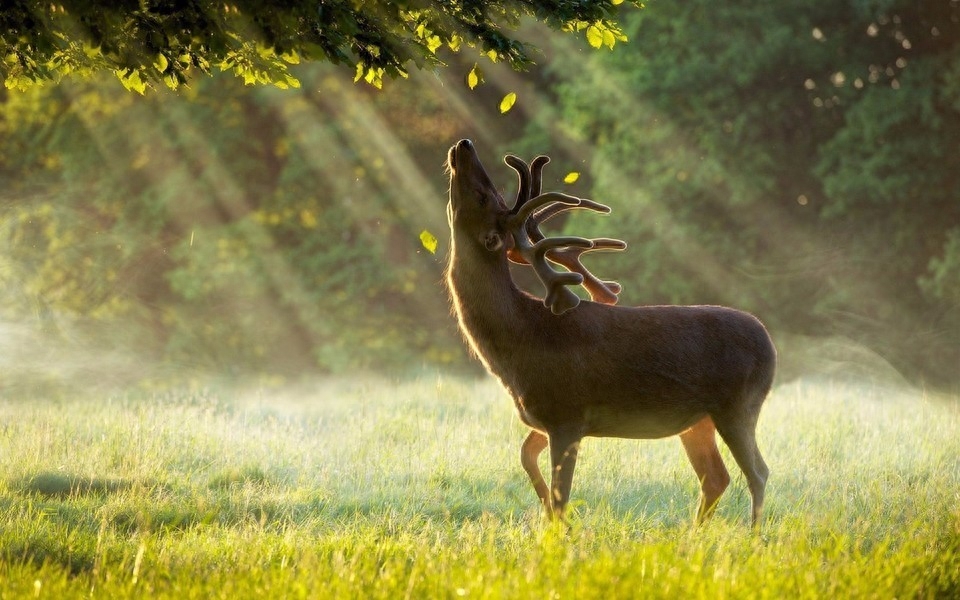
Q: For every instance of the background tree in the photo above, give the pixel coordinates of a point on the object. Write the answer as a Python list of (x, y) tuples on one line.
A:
[(795, 158)]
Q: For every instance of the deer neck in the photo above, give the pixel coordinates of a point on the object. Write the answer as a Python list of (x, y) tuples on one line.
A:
[(488, 306)]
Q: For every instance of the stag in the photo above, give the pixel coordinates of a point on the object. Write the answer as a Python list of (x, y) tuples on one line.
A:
[(576, 369)]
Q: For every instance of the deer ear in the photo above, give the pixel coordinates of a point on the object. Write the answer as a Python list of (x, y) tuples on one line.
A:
[(492, 240)]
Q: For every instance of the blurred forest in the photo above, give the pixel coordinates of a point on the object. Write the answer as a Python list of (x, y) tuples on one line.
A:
[(798, 159)]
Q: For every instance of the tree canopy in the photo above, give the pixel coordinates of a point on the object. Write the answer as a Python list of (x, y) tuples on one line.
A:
[(146, 41)]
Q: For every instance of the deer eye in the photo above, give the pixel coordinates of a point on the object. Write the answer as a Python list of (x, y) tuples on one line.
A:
[(483, 197)]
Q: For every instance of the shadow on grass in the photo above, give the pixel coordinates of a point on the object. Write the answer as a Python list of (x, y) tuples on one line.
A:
[(69, 513), (40, 551), (58, 524), (60, 485), (225, 501)]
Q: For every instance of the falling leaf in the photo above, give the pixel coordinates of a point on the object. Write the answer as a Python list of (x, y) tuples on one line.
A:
[(474, 77), (571, 177), (429, 241), (507, 102)]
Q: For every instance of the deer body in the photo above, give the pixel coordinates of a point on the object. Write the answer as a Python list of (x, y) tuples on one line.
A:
[(603, 370)]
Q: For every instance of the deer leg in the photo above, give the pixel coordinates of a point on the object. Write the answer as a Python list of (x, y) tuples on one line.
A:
[(535, 443), (564, 445), (741, 438), (700, 442)]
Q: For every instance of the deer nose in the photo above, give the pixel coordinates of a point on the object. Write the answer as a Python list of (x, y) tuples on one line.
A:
[(465, 144)]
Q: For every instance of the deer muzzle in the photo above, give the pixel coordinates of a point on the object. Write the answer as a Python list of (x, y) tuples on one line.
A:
[(462, 155)]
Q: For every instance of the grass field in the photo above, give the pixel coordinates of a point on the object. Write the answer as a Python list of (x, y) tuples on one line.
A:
[(414, 490)]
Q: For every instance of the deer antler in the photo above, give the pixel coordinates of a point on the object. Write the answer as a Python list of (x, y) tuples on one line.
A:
[(531, 247)]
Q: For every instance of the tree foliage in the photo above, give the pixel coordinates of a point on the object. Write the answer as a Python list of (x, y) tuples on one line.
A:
[(168, 40)]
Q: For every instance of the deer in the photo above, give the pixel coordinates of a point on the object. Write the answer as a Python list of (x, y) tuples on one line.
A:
[(590, 368)]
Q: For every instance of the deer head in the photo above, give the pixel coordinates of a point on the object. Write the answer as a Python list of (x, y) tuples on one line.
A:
[(477, 209)]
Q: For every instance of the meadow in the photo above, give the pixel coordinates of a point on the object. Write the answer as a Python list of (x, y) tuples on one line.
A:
[(365, 488)]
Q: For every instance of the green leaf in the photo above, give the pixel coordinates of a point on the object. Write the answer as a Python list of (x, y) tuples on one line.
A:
[(609, 39), (373, 76), (594, 36), (429, 241), (161, 63), (131, 80), (508, 102), (171, 81)]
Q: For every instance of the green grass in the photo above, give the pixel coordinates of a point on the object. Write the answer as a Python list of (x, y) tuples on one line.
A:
[(372, 490)]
